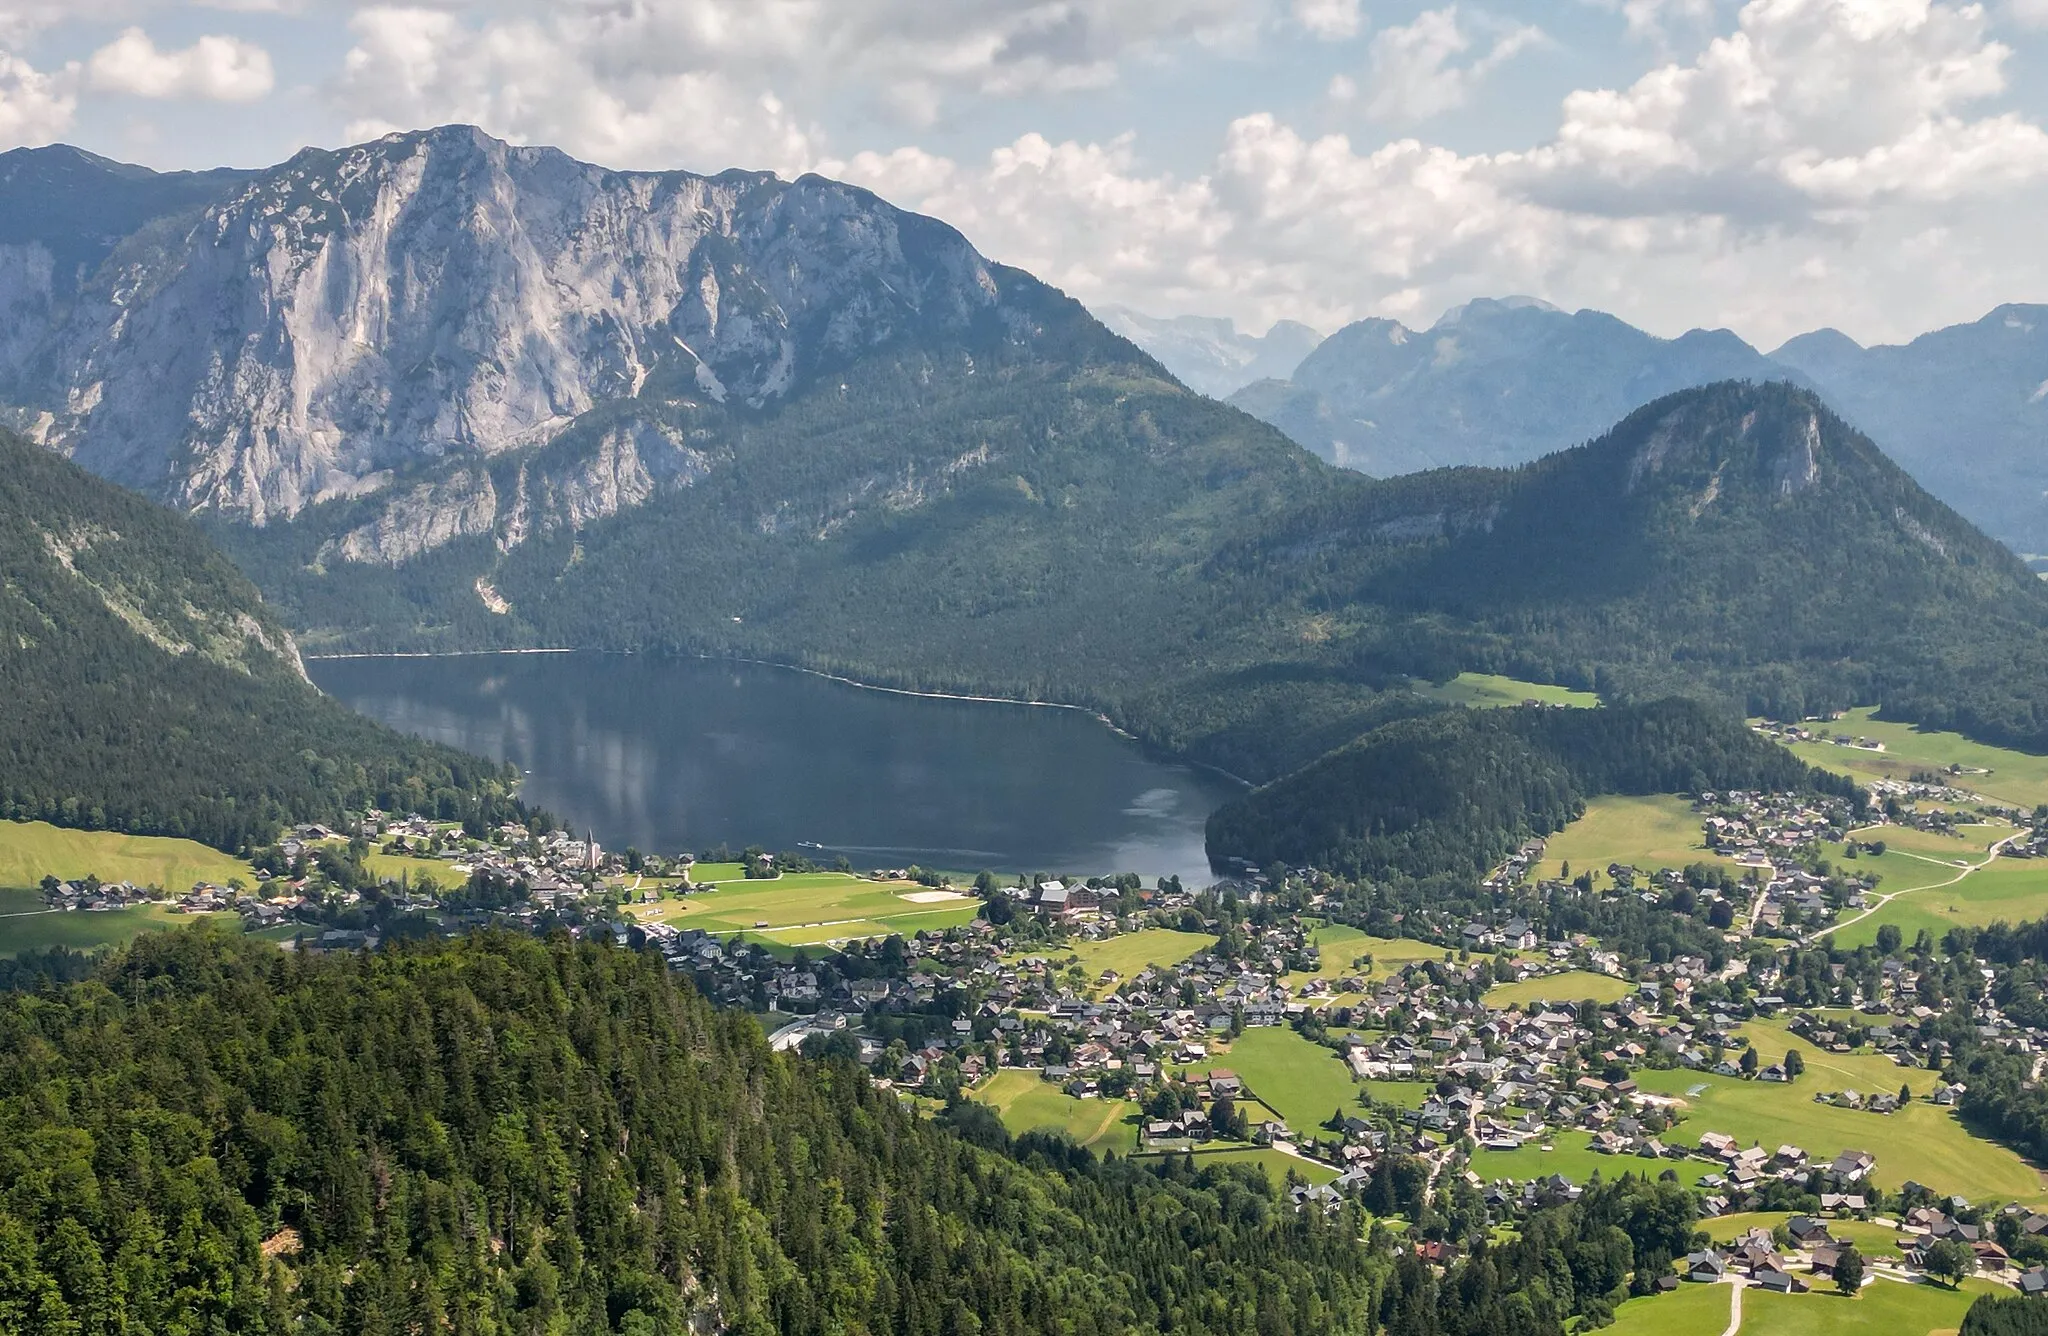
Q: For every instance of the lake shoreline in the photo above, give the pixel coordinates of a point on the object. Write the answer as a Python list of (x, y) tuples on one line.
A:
[(843, 680)]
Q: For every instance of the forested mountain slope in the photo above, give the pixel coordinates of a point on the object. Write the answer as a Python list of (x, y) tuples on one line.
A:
[(498, 1136), (1456, 792), (145, 687), (1737, 538)]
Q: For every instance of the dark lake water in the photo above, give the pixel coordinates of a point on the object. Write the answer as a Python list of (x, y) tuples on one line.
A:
[(673, 754)]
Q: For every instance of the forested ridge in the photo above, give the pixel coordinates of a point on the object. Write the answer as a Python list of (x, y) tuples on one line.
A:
[(505, 1135), (1453, 793), (1088, 531), (145, 687)]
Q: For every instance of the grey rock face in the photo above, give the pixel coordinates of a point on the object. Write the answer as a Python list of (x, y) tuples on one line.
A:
[(437, 300)]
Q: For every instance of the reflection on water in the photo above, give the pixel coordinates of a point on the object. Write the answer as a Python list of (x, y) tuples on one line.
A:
[(673, 754)]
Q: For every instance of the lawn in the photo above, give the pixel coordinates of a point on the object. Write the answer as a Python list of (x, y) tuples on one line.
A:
[(1920, 1141), (2017, 777), (1940, 897), (31, 850), (811, 908), (1647, 833), (1689, 1310), (1303, 1082), (1277, 1164), (1883, 1308), (1569, 987), (88, 930), (1339, 947), (1570, 1155), (709, 874), (1026, 1103), (1129, 953), (1491, 689), (1871, 1240), (410, 871)]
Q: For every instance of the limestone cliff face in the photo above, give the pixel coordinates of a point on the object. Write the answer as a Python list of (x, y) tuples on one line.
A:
[(393, 318)]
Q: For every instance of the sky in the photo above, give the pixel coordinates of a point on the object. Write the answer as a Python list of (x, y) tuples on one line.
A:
[(1879, 166)]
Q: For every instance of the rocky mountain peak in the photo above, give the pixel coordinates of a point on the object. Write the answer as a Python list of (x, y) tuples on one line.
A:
[(315, 330)]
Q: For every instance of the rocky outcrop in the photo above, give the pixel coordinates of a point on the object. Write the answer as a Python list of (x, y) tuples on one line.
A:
[(425, 305)]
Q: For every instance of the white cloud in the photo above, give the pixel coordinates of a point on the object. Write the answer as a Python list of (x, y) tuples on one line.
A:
[(1817, 165), (2026, 13), (35, 107), (1331, 20), (214, 69), (709, 81), (1415, 69)]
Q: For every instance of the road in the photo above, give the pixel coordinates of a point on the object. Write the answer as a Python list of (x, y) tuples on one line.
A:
[(1881, 901), (1736, 1285)]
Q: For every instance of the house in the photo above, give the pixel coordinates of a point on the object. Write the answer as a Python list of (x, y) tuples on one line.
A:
[(1706, 1266), (1852, 1166), (1779, 1282)]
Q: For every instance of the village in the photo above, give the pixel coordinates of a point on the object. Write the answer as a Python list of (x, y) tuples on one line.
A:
[(1503, 1062)]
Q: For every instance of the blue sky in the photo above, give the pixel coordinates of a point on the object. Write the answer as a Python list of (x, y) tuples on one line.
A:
[(1770, 166)]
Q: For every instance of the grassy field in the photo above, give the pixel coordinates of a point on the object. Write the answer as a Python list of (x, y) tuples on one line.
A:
[(710, 874), (1276, 1164), (1689, 1310), (1882, 1308), (1569, 987), (417, 872), (812, 908), (1340, 946), (1129, 953), (1303, 1082), (1485, 689), (31, 850), (1870, 1239), (83, 931), (1571, 1156), (1648, 833), (1027, 1103), (1919, 1142), (2016, 777), (1939, 894)]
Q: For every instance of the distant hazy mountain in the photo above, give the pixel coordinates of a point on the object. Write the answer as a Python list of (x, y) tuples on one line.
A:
[(1963, 409), (1209, 354), (1491, 383)]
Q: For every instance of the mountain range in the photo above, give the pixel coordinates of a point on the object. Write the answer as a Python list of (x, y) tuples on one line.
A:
[(1211, 355), (439, 392), (1498, 383)]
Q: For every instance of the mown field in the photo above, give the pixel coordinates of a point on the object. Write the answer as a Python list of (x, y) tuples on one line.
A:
[(1648, 833), (1027, 1103), (1340, 948), (1276, 1164), (1567, 988), (2015, 777), (1130, 953), (1690, 1310), (812, 908), (1872, 1240), (1920, 1142), (1882, 1308), (1940, 882), (1491, 689), (1302, 1082), (31, 850), (1572, 1156), (87, 931)]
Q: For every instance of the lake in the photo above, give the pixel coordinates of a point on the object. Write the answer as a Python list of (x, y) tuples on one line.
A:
[(673, 754)]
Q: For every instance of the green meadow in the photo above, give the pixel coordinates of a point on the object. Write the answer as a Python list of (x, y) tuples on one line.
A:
[(2016, 777), (1491, 689), (1648, 833), (1689, 1310), (1302, 1082), (31, 850), (1130, 953), (1881, 1308), (813, 908), (1571, 1154), (1027, 1103), (1569, 987)]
